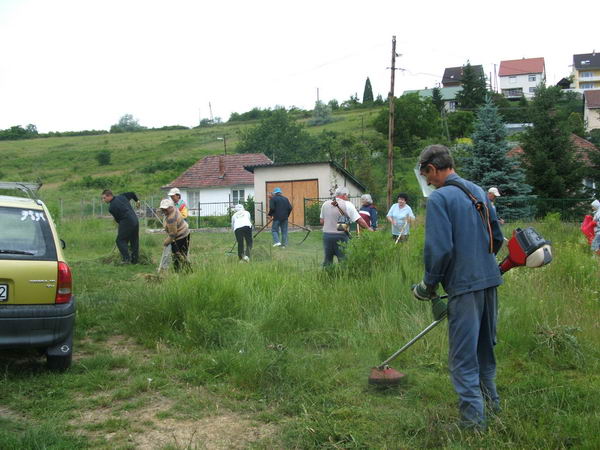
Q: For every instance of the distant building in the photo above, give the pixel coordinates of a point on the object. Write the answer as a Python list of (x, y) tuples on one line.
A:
[(453, 75), (448, 95), (586, 71), (299, 181), (591, 109), (217, 179), (521, 77)]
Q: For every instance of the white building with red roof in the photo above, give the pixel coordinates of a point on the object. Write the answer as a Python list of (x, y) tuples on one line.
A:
[(218, 179), (521, 77)]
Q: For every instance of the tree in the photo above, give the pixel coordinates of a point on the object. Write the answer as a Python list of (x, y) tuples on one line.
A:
[(551, 166), (474, 90), (321, 114), (575, 124), (280, 138), (368, 93), (460, 124), (127, 123), (333, 104), (489, 165), (415, 119), (436, 98)]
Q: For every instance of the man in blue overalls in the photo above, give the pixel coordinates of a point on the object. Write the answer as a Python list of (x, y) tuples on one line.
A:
[(462, 236)]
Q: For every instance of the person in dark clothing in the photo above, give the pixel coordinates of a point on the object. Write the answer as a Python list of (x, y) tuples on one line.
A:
[(279, 210), (129, 227), (461, 241)]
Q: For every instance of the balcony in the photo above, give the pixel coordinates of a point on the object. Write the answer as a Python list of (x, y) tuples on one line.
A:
[(513, 93)]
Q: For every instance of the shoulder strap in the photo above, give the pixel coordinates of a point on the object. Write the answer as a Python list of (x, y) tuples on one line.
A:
[(481, 208), (337, 205)]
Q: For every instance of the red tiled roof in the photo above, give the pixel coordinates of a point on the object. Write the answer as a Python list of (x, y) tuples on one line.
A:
[(521, 66), (220, 170), (592, 98), (583, 148)]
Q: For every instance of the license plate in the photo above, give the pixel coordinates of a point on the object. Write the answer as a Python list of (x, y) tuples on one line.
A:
[(3, 292)]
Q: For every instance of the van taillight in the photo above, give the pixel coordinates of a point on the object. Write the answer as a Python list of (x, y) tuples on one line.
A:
[(65, 281)]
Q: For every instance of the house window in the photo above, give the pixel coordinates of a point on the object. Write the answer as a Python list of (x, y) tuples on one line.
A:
[(238, 196), (193, 201), (532, 90), (532, 78), (586, 85), (512, 79), (587, 74)]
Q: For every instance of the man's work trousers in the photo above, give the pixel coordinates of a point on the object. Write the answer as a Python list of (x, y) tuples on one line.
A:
[(180, 249), (128, 237), (283, 226), (331, 247), (471, 339), (241, 234)]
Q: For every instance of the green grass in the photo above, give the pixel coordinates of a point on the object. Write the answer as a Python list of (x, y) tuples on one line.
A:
[(287, 345)]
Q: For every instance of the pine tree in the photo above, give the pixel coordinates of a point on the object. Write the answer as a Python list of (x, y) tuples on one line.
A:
[(551, 166), (474, 90), (436, 98), (489, 165), (368, 93)]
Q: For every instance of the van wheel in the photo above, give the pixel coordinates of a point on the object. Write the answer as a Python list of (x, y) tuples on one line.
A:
[(58, 363)]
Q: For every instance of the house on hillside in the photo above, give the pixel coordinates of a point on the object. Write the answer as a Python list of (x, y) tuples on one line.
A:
[(453, 75), (299, 181), (216, 182), (591, 109), (521, 77), (586, 71), (448, 96), (583, 150)]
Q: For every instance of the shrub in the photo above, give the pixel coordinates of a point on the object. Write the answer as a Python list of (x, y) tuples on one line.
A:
[(103, 157)]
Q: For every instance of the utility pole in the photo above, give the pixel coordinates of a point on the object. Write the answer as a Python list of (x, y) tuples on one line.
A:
[(390, 168), (211, 115), (317, 95)]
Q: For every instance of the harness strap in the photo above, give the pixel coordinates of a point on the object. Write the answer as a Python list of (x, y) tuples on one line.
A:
[(481, 208)]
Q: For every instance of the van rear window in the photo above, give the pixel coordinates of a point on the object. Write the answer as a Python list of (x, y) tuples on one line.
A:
[(25, 234)]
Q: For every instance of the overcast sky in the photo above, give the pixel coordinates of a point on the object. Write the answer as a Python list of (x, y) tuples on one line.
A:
[(82, 64)]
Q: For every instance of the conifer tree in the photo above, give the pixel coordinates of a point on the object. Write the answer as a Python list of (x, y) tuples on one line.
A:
[(551, 165), (436, 98), (474, 91), (368, 93), (489, 165)]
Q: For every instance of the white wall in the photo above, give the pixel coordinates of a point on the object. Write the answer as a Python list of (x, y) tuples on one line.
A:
[(591, 118), (212, 195), (522, 81)]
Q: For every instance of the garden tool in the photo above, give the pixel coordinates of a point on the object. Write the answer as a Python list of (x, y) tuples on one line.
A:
[(526, 247), (401, 231)]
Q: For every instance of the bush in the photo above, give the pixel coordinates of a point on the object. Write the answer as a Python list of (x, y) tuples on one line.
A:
[(103, 157), (312, 213)]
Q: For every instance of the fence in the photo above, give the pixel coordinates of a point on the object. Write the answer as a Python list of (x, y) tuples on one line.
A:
[(203, 215)]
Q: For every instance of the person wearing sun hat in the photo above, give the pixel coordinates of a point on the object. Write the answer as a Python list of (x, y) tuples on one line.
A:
[(175, 195), (492, 193), (178, 233)]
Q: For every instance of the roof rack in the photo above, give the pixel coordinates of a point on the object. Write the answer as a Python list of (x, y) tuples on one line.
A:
[(29, 188)]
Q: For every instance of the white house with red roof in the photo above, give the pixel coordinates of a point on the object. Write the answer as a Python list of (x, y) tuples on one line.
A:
[(216, 180), (521, 77)]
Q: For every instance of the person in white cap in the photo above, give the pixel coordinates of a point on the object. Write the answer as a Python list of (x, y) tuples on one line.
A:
[(242, 228), (492, 193), (178, 234), (175, 195)]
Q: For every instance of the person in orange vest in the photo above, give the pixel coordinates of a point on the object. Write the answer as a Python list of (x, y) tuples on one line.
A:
[(175, 195)]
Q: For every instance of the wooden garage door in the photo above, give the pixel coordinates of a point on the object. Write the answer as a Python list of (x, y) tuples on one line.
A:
[(296, 191)]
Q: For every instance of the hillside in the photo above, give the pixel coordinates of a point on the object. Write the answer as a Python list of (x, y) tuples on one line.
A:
[(143, 161)]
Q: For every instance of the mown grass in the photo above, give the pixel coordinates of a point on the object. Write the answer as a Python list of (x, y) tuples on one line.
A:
[(292, 345)]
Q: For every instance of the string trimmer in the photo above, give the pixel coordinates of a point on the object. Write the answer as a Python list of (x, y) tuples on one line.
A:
[(525, 248)]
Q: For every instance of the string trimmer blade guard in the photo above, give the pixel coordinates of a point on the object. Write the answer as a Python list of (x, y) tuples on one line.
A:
[(385, 377)]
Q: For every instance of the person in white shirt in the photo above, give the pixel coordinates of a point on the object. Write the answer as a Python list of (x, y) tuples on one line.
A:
[(241, 224), (331, 211), (400, 216)]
